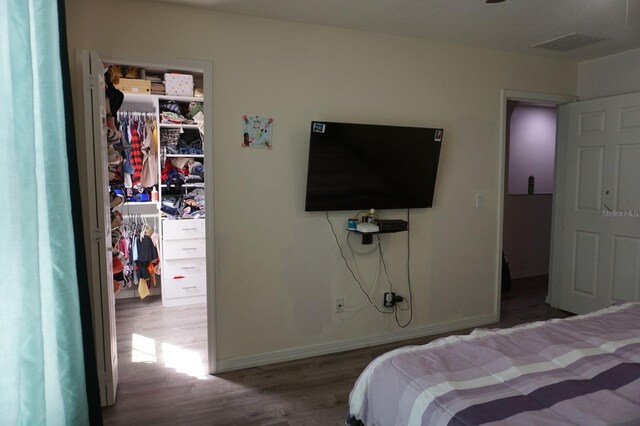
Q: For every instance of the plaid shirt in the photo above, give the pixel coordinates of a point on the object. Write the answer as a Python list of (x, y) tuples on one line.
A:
[(136, 155)]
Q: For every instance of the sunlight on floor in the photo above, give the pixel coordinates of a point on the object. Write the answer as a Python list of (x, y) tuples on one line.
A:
[(183, 361), (143, 349)]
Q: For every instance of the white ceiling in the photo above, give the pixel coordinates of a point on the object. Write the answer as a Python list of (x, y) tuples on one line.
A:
[(513, 26)]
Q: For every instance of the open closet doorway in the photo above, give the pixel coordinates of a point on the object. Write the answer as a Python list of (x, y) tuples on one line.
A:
[(151, 215), (529, 138)]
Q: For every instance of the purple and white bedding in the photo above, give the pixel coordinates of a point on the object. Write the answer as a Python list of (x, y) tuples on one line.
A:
[(583, 370)]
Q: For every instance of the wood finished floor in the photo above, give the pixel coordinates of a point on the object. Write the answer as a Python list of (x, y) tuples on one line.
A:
[(162, 355)]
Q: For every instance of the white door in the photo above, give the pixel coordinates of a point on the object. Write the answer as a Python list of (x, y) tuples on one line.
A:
[(98, 208), (601, 219)]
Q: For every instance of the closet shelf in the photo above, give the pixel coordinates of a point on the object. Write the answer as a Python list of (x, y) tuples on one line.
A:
[(185, 155), (178, 126), (150, 98), (179, 98), (187, 185), (139, 97), (141, 203)]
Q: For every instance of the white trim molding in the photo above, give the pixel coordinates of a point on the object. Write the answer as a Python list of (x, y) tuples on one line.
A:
[(351, 344), (517, 95), (206, 68)]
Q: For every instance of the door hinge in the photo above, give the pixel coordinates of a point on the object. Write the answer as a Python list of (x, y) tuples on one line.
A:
[(106, 379), (98, 234), (92, 82)]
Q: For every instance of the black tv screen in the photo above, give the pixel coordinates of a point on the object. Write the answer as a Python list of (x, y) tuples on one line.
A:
[(364, 166)]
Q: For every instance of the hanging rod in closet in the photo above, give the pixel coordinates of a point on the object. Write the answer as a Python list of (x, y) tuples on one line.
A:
[(133, 215), (136, 114)]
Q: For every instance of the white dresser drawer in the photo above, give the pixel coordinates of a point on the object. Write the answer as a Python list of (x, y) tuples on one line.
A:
[(183, 249), (174, 287), (186, 267), (182, 229)]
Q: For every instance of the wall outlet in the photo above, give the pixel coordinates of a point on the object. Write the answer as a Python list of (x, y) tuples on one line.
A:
[(388, 300), (339, 305), (391, 299)]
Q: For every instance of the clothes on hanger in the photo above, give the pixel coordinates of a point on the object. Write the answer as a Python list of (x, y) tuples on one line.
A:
[(149, 176), (136, 153), (137, 253), (138, 148)]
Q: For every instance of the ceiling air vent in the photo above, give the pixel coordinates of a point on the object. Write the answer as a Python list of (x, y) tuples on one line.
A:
[(568, 42)]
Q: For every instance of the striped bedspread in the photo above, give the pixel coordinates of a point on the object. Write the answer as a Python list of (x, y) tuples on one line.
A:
[(583, 370)]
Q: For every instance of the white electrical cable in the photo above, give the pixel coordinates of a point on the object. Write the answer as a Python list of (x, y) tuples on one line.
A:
[(626, 16), (357, 269), (346, 263), (373, 288), (375, 278), (362, 253)]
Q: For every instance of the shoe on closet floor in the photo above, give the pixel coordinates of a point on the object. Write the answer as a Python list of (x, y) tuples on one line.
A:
[(116, 199)]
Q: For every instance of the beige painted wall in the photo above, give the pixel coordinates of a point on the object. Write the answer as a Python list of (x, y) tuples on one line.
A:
[(611, 75), (278, 269)]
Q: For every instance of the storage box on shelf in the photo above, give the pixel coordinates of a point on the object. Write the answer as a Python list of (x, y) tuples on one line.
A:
[(134, 85), (178, 84)]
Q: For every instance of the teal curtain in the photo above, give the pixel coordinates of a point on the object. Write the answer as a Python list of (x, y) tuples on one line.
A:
[(42, 377)]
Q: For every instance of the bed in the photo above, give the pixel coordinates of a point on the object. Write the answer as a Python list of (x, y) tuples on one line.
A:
[(583, 370)]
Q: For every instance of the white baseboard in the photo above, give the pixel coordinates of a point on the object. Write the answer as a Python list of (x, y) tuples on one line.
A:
[(347, 345), (515, 275)]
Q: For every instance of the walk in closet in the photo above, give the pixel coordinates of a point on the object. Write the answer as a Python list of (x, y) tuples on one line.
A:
[(159, 172), (147, 132)]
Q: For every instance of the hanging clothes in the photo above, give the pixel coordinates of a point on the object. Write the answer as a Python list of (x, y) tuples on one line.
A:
[(124, 130), (149, 176), (147, 253), (156, 242), (139, 257), (139, 147), (136, 154), (143, 288)]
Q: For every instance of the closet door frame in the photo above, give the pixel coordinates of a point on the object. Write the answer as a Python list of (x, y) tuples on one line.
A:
[(95, 217), (206, 68)]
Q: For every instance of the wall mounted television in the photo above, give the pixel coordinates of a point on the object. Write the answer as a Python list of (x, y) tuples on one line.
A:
[(364, 166)]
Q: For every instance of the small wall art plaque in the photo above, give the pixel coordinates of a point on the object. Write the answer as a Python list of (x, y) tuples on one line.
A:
[(257, 132)]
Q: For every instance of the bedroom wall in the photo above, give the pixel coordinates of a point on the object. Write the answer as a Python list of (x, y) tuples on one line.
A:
[(527, 218), (278, 269), (610, 75), (527, 234), (532, 145)]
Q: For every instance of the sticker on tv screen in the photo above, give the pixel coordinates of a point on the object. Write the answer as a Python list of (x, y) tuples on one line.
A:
[(319, 127), (438, 137)]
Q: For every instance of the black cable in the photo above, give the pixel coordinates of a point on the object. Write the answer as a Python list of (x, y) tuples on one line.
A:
[(326, 213), (409, 301), (404, 309), (395, 311)]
